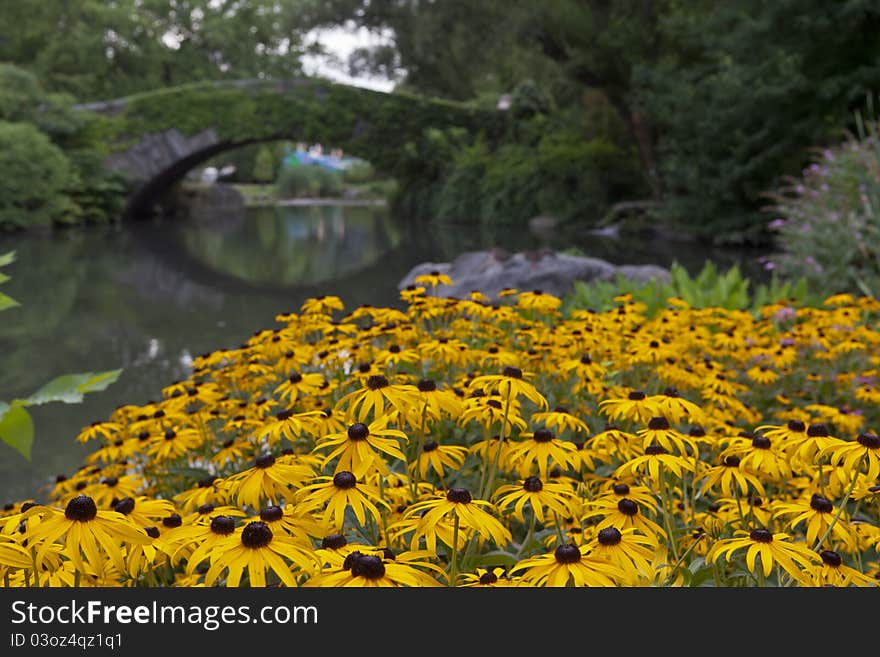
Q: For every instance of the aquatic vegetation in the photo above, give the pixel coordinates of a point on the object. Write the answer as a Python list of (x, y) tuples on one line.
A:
[(457, 442)]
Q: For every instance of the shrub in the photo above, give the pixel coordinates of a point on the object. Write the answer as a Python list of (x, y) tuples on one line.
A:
[(35, 177), (826, 221), (308, 181)]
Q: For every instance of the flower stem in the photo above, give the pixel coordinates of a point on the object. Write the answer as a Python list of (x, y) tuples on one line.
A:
[(493, 466), (840, 508), (528, 536), (453, 565)]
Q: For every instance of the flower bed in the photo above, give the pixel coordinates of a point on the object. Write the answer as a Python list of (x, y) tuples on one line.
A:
[(461, 442)]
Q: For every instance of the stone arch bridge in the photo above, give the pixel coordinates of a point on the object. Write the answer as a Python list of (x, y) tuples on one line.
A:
[(153, 139)]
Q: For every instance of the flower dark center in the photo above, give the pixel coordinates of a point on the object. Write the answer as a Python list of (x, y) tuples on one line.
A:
[(532, 485), (124, 506), (265, 461), (627, 507), (512, 372), (272, 513), (818, 431), (334, 542), (494, 403), (697, 431), (256, 535), (207, 481), (796, 425), (344, 480), (427, 385), (368, 566), (488, 578), (174, 520), (621, 489), (377, 381), (654, 450), (760, 536), (81, 508), (869, 440), (459, 495), (658, 424), (609, 536), (561, 409), (430, 446), (567, 554), (636, 395), (761, 442), (170, 434), (731, 461), (831, 558), (205, 509), (543, 435), (152, 532), (821, 504), (358, 431), (111, 481), (222, 525), (295, 378)]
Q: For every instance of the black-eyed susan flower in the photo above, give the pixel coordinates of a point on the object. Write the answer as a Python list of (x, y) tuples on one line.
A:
[(772, 548), (491, 410), (569, 565), (856, 455), (269, 480), (257, 550), (324, 304), (332, 496), (628, 549), (360, 448), (379, 568), (731, 478), (374, 398), (820, 518), (636, 407), (433, 278), (299, 384), (91, 537), (658, 432), (834, 572), (510, 384), (542, 497), (541, 450), (623, 515), (437, 458), (468, 514), (560, 419), (538, 300), (433, 405), (496, 577), (654, 463)]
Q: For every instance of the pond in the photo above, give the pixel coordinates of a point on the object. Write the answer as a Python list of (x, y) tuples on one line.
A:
[(149, 296)]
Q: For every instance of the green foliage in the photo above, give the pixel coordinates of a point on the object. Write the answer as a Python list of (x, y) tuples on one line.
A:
[(743, 92), (710, 288), (16, 424), (264, 165), (35, 177), (828, 219), (308, 181), (359, 171)]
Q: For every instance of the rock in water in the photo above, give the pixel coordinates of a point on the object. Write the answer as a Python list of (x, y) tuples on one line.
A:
[(554, 273)]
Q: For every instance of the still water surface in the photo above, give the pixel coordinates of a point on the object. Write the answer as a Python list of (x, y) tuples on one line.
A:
[(149, 296)]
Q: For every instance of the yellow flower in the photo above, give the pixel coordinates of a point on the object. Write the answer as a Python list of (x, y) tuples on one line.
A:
[(332, 496), (771, 548), (359, 448), (569, 565)]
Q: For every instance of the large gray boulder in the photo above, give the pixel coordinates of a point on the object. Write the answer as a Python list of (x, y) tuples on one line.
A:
[(554, 273)]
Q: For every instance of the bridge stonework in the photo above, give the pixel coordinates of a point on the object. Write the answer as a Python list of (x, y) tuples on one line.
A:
[(154, 139)]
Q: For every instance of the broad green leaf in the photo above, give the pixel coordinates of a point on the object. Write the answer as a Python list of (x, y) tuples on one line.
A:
[(7, 258), (495, 558), (70, 388), (17, 430), (7, 302)]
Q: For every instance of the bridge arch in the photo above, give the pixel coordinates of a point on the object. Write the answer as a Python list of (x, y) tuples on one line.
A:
[(154, 139)]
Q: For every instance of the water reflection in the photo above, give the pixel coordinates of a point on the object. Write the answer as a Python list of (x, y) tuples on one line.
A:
[(297, 245)]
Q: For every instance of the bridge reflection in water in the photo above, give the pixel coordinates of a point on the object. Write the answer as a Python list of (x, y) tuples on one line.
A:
[(298, 246)]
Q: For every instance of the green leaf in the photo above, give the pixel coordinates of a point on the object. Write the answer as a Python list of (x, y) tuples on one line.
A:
[(17, 430), (7, 302), (7, 258), (70, 388), (495, 558)]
